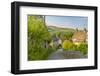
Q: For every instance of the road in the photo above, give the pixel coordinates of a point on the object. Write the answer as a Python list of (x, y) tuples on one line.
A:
[(60, 54)]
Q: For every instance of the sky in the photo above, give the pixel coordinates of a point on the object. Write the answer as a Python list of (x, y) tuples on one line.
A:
[(67, 21)]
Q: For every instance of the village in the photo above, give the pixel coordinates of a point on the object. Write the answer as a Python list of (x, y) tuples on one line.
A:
[(68, 45)]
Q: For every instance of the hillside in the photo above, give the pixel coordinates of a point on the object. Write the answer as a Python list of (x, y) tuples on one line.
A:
[(61, 29)]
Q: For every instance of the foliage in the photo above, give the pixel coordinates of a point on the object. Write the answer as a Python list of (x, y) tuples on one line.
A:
[(37, 28), (68, 45), (83, 47), (69, 35), (38, 36), (63, 35)]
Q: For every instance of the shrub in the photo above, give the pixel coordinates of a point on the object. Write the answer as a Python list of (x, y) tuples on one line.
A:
[(83, 47), (68, 45)]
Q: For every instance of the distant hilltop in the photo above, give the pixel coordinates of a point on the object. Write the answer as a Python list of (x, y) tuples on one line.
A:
[(55, 27), (64, 27)]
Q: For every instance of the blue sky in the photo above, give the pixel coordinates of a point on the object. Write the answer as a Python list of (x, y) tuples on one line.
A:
[(67, 21)]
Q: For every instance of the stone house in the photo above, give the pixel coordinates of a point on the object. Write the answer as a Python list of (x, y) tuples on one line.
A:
[(79, 36), (56, 42)]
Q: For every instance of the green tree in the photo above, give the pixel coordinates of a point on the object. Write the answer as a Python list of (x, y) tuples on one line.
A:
[(83, 47), (68, 45), (38, 36), (69, 35)]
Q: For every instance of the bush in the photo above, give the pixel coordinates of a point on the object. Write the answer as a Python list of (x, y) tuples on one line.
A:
[(83, 47), (68, 45)]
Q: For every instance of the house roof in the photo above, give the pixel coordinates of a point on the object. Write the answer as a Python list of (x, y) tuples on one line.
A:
[(79, 36)]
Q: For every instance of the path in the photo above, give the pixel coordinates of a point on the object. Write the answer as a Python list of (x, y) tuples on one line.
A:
[(60, 54), (56, 55)]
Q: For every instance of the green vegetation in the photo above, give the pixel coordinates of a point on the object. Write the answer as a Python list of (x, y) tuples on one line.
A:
[(38, 38), (61, 33), (68, 45), (83, 47)]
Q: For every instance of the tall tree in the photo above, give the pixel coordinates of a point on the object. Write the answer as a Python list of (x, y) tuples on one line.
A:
[(38, 36)]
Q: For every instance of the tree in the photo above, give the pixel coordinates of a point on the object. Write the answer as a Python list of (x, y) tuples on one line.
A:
[(85, 30), (38, 37), (68, 45), (76, 29)]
